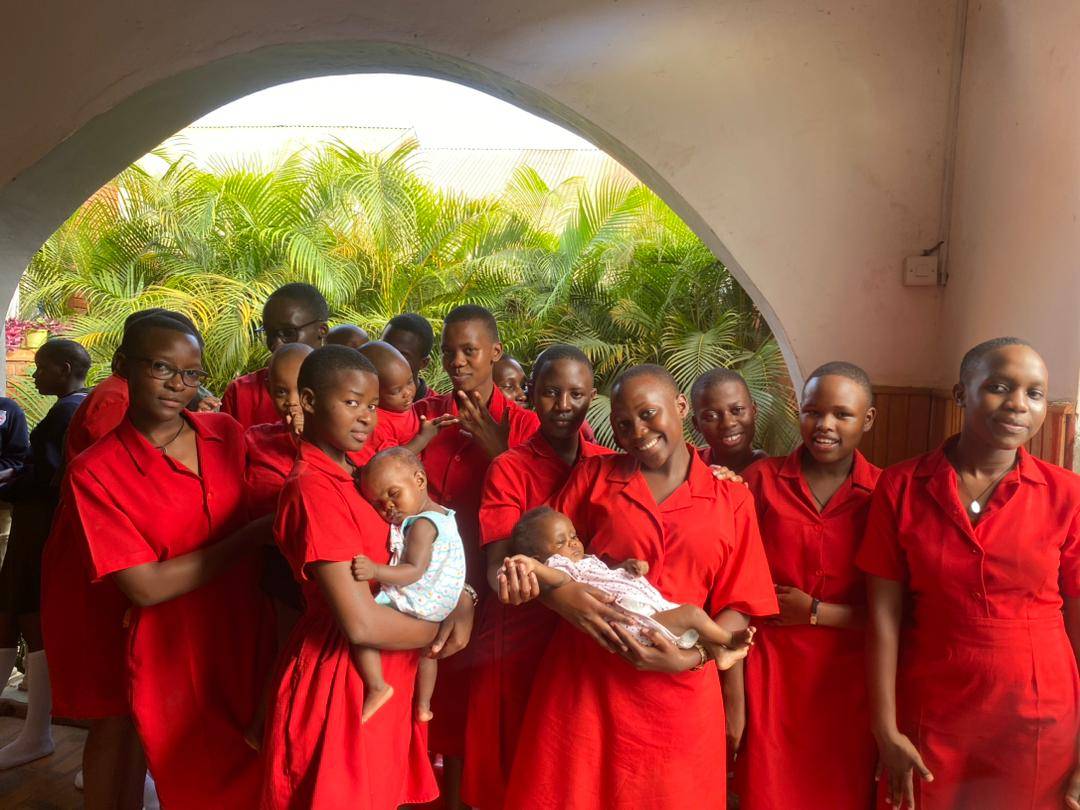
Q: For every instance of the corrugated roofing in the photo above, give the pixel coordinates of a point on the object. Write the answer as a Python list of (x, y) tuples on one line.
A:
[(475, 172)]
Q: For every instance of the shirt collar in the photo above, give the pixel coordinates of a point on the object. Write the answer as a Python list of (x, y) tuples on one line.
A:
[(318, 460), (936, 462), (542, 447), (144, 454), (861, 472), (700, 478)]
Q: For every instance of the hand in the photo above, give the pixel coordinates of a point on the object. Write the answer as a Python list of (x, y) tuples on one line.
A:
[(455, 629), (7, 475), (663, 656), (363, 569), (517, 585), (590, 610), (898, 761), (524, 564), (638, 568), (295, 418), (429, 428), (476, 419), (209, 403), (794, 606), (721, 473), (735, 719), (1072, 793)]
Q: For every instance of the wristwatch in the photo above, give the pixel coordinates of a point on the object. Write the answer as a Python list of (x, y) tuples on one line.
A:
[(814, 605)]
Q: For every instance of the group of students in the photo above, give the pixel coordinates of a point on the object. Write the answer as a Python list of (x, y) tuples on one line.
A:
[(252, 603)]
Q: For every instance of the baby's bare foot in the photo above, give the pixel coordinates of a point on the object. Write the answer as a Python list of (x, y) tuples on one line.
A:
[(374, 699), (423, 713)]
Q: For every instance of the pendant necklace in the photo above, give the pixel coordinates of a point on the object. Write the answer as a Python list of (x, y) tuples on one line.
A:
[(162, 447), (975, 507)]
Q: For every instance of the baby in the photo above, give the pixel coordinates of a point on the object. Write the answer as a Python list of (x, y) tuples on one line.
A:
[(544, 534), (427, 566)]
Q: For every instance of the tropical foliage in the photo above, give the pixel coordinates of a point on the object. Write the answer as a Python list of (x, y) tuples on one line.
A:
[(610, 269)]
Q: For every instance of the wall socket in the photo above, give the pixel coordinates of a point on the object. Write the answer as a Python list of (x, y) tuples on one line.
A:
[(921, 271)]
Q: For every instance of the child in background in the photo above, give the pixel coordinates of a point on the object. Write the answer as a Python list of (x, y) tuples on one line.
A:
[(509, 376), (545, 544), (347, 334), (398, 424), (426, 571), (724, 414)]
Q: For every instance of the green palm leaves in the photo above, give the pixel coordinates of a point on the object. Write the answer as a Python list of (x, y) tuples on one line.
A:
[(609, 268)]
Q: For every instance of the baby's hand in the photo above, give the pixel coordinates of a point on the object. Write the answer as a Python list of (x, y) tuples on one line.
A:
[(363, 569), (525, 565), (637, 568), (295, 418), (430, 427), (742, 638)]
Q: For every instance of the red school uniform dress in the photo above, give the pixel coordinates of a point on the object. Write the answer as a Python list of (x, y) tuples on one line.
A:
[(195, 664), (987, 685), (806, 703), (248, 401), (510, 640), (82, 620), (598, 734), (455, 467), (101, 411), (318, 755)]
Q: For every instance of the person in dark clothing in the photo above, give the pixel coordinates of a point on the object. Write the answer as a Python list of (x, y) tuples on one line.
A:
[(34, 490)]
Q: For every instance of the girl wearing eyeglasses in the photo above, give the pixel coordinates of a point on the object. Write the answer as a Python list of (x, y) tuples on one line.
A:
[(154, 514)]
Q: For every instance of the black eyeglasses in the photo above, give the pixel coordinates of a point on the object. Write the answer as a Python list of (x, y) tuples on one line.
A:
[(160, 370), (288, 334)]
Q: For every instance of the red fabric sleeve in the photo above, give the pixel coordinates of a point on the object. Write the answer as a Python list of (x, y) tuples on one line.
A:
[(1070, 561), (523, 424), (744, 583), (880, 554), (111, 540), (501, 501), (314, 524)]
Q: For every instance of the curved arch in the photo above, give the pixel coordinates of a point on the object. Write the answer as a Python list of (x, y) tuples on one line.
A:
[(36, 202)]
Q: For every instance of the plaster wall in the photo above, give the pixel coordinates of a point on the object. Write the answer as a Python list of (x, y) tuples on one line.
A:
[(804, 142), (1014, 265)]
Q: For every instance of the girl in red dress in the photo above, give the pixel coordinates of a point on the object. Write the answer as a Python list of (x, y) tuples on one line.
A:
[(511, 639), (808, 668), (973, 551), (156, 507), (318, 753), (647, 731)]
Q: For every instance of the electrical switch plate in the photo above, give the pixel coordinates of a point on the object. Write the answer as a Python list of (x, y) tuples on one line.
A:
[(921, 271)]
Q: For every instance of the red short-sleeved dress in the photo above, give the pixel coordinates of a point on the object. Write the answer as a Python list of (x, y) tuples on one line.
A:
[(456, 466), (82, 620), (807, 715), (598, 734), (317, 753), (195, 664), (509, 641), (987, 685), (247, 400)]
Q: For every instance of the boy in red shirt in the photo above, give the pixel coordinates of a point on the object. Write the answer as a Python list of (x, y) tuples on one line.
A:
[(456, 461), (724, 413)]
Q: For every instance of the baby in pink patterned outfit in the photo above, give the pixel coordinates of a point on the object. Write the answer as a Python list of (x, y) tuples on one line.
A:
[(542, 534)]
